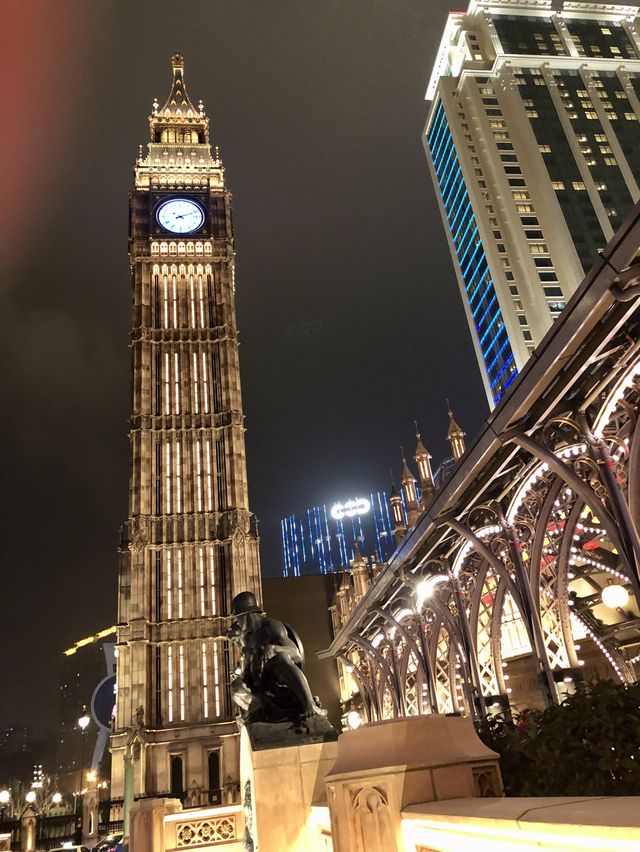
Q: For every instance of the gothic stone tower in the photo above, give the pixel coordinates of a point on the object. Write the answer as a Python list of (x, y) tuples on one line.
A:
[(190, 543)]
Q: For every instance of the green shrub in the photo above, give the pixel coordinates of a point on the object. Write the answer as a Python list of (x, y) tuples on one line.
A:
[(587, 746)]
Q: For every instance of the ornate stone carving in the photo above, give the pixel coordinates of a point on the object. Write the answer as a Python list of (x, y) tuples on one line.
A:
[(372, 820), (206, 831), (486, 781)]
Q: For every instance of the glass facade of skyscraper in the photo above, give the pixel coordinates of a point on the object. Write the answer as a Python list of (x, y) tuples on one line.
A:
[(537, 109)]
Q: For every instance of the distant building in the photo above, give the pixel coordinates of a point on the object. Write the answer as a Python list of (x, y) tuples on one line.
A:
[(17, 752), (532, 141), (320, 539), (87, 685)]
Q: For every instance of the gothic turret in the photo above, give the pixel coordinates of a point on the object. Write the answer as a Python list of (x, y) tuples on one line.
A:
[(178, 121), (422, 458), (455, 436), (399, 524), (179, 146), (344, 597), (360, 574), (409, 492)]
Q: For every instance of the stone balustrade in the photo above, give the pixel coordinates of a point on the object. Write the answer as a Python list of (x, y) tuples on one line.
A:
[(207, 828)]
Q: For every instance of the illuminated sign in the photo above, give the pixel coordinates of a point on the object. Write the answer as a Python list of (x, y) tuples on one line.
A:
[(350, 508)]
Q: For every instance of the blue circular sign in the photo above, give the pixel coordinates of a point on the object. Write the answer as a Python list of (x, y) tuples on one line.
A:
[(103, 701)]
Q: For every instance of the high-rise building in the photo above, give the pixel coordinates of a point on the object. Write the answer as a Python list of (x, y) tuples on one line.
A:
[(190, 543), (532, 140)]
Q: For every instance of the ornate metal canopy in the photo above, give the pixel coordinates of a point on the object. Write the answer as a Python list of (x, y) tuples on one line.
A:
[(523, 576)]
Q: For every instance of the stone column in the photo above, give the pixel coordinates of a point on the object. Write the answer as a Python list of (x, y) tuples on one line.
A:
[(147, 823)]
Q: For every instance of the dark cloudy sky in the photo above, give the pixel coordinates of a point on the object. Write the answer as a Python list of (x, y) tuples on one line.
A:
[(350, 319)]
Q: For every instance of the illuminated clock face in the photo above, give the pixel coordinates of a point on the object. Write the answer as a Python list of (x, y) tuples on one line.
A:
[(180, 216)]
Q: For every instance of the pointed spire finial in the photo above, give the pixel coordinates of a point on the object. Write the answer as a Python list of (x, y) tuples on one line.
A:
[(178, 121), (455, 435), (415, 423)]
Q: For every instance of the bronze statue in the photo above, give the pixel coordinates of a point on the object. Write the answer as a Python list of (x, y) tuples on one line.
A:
[(269, 685)]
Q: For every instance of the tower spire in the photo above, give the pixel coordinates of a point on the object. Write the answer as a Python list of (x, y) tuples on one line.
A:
[(178, 121), (455, 435), (397, 512), (409, 491), (422, 458)]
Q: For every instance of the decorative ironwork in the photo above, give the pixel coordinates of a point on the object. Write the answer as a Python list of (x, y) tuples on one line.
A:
[(528, 532)]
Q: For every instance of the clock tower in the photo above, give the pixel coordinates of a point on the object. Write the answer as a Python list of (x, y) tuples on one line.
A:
[(190, 543)]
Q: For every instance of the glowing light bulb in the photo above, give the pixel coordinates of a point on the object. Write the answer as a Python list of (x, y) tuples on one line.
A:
[(615, 596), (354, 720)]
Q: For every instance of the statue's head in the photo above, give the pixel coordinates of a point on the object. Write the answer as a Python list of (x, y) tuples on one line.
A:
[(244, 603)]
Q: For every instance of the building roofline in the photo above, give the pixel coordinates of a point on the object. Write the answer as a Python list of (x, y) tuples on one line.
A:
[(569, 9)]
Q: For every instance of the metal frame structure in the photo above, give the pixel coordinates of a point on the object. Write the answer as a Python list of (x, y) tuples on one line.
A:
[(541, 512)]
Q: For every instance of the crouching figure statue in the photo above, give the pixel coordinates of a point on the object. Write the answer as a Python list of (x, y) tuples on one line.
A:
[(269, 684)]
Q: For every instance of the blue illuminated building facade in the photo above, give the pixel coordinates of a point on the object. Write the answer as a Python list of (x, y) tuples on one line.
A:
[(532, 143), (320, 540), (491, 331)]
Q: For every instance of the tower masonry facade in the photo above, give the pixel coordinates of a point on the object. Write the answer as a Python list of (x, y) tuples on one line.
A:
[(190, 543), (532, 142)]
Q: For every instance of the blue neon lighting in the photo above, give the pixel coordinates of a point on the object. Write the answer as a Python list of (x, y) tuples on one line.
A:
[(472, 261), (314, 542)]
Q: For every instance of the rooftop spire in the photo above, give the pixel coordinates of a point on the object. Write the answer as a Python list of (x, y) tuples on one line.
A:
[(178, 103), (421, 450), (422, 458), (455, 435), (178, 111), (406, 473)]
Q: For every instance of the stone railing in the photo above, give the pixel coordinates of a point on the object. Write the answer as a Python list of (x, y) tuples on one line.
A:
[(204, 828), (502, 825)]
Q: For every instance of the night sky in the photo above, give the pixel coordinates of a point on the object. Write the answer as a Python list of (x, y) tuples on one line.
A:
[(350, 319)]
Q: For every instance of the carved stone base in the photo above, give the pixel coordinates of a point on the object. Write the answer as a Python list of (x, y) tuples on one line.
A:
[(281, 783), (314, 729), (385, 766)]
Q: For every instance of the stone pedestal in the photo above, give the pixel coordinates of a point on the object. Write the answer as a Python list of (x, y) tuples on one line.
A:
[(385, 766), (147, 823), (280, 783)]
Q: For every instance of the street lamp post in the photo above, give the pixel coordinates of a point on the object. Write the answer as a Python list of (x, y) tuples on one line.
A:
[(83, 724)]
